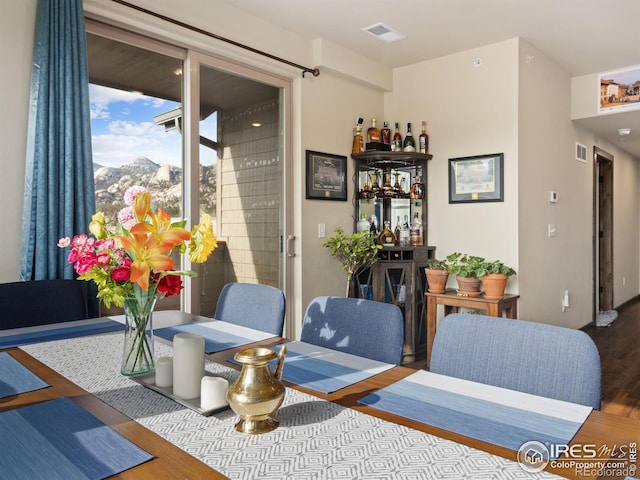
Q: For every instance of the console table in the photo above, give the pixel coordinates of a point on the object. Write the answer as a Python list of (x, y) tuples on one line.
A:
[(452, 301)]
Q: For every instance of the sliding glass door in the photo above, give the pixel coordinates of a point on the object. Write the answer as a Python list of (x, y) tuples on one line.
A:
[(204, 135)]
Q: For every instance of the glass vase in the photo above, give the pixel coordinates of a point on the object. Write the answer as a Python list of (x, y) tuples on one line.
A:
[(137, 355)]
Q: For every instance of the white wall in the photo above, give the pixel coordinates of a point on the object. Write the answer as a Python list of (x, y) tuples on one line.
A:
[(16, 38), (469, 111)]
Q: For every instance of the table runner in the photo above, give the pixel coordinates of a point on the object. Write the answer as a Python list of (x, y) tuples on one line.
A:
[(316, 439), (326, 370), (56, 331), (15, 378), (218, 335), (58, 439), (491, 414)]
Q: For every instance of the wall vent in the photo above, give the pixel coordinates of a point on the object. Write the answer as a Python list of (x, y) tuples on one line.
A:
[(384, 32), (581, 152)]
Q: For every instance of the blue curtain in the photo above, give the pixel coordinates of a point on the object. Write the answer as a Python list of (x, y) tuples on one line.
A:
[(59, 190)]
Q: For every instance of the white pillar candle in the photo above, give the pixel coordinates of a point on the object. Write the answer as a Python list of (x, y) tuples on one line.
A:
[(164, 372), (188, 365), (213, 392)]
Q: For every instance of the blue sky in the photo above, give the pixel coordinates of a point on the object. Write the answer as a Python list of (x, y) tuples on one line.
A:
[(122, 129)]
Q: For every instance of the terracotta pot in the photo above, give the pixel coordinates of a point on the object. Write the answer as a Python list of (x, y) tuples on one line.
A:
[(436, 280), (468, 286), (494, 285)]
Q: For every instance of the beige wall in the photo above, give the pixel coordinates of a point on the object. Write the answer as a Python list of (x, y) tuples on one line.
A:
[(331, 104), (549, 266), (16, 42), (469, 111)]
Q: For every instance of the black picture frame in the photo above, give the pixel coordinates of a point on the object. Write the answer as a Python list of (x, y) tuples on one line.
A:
[(476, 179), (326, 176)]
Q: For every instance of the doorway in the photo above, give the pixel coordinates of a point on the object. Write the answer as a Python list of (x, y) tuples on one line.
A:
[(603, 194)]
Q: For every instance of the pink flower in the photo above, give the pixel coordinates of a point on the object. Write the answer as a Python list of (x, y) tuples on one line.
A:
[(127, 217), (85, 263), (64, 242), (131, 193), (103, 259)]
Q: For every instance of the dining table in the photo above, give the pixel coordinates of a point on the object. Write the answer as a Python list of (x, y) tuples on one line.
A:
[(342, 416)]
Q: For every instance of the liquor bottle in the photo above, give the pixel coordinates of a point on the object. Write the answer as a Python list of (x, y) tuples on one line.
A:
[(417, 190), (358, 141), (373, 228), (409, 144), (415, 231), (385, 133), (387, 237), (396, 143), (398, 228), (423, 139), (373, 133)]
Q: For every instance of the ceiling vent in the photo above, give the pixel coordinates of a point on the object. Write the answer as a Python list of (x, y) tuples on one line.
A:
[(384, 32)]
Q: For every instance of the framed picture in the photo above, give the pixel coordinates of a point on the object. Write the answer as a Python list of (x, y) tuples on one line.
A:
[(326, 176), (476, 179)]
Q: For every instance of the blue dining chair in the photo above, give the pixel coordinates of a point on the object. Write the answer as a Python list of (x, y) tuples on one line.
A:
[(545, 360), (361, 327), (41, 302), (261, 307)]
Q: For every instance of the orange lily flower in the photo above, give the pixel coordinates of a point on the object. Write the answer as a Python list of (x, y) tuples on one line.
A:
[(147, 253)]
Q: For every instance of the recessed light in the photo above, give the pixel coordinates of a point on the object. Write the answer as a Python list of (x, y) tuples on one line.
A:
[(384, 32), (256, 124), (623, 132), (178, 71)]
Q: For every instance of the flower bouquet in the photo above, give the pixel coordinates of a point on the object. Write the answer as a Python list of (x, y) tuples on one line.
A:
[(131, 265)]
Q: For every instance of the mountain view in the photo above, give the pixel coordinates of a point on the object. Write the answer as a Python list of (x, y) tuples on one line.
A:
[(163, 181)]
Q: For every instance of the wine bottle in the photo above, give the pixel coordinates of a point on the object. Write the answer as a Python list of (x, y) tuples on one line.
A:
[(409, 144), (396, 144), (358, 141), (373, 133), (415, 231), (423, 139), (385, 134)]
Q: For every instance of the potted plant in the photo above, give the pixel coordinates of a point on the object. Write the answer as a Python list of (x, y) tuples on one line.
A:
[(355, 253), (437, 272), (466, 268), (494, 276)]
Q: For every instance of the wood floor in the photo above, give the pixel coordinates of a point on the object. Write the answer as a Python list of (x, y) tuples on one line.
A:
[(619, 347)]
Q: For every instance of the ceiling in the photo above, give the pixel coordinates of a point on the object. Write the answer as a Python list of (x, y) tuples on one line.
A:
[(582, 36)]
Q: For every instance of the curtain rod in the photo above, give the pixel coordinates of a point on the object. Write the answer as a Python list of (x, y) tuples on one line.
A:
[(304, 69)]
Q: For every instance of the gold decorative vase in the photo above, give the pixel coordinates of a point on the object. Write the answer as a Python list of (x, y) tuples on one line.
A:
[(257, 393)]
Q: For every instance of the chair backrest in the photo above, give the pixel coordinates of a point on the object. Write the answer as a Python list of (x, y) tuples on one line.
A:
[(261, 307), (537, 358), (41, 302), (361, 327)]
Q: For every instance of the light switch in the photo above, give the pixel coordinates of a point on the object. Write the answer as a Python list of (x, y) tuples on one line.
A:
[(321, 230), (553, 197), (552, 230)]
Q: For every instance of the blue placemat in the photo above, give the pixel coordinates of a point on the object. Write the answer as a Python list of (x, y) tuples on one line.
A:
[(60, 440), (59, 333), (507, 423), (323, 369), (218, 335), (15, 378)]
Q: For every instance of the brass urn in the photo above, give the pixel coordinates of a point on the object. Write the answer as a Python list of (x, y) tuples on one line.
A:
[(257, 393)]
